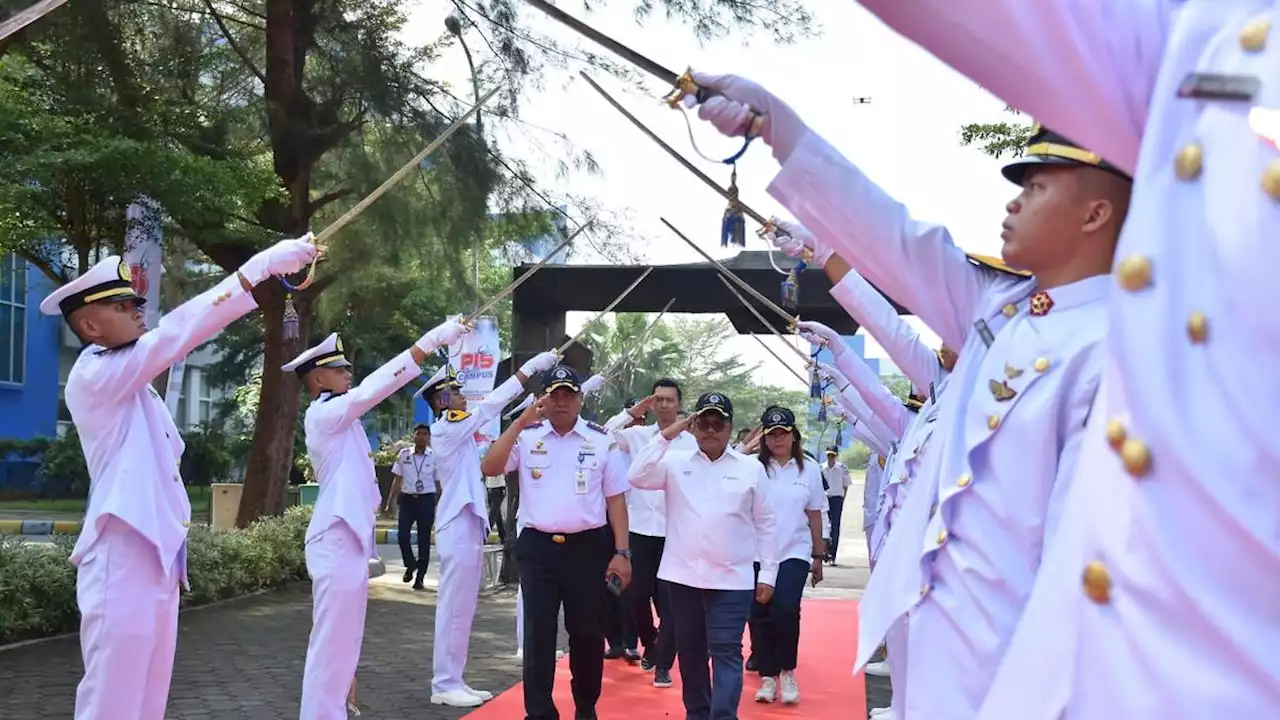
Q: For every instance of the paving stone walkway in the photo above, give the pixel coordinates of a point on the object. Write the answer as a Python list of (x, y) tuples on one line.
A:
[(243, 660)]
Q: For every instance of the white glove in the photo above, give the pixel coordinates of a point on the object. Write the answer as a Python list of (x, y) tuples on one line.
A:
[(284, 258), (826, 372), (793, 239), (593, 384), (820, 334), (539, 363), (730, 112), (442, 335)]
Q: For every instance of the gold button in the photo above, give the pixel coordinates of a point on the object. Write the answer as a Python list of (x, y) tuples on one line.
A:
[(1136, 457), (1042, 364), (964, 480), (1009, 310), (186, 523), (942, 536), (1134, 271), (1198, 327), (902, 477), (1097, 582), (1188, 162), (1116, 433), (1253, 36), (1271, 180), (993, 422), (924, 589)]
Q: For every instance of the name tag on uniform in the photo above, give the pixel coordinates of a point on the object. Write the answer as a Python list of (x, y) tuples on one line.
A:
[(580, 482), (1213, 86)]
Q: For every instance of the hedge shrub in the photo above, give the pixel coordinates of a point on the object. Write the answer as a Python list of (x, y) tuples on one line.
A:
[(38, 585)]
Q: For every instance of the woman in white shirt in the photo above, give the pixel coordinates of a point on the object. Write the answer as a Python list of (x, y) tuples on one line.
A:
[(794, 493)]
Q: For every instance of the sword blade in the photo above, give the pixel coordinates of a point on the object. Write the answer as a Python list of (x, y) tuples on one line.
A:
[(671, 151), (605, 41)]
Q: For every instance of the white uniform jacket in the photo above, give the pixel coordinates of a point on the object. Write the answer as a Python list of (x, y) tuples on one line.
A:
[(340, 452), (130, 443)]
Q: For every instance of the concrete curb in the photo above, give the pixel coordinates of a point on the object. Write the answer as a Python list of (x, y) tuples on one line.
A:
[(383, 536)]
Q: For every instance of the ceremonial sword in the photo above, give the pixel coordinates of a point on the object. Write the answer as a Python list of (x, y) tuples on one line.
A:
[(683, 84)]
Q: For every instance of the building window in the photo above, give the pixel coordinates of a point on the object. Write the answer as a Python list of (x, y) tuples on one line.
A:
[(13, 319), (205, 407)]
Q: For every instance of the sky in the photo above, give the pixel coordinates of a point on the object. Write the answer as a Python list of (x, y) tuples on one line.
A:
[(906, 139)]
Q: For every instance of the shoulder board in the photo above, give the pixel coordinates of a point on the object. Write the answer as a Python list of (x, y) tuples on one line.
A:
[(598, 428), (456, 415), (405, 452), (531, 426), (881, 461)]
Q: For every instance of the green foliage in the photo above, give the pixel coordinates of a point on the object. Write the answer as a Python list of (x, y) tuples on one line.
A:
[(997, 139), (207, 457), (38, 585), (63, 472)]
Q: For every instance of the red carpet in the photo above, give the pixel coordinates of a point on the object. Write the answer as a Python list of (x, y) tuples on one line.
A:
[(828, 643)]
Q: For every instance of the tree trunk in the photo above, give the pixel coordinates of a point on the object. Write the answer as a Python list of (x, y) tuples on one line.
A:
[(271, 458)]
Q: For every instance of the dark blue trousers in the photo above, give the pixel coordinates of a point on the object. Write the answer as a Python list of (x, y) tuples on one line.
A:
[(709, 627)]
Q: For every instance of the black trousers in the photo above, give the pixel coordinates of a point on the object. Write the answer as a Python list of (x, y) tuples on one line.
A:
[(646, 588), (419, 509), (778, 622), (568, 569), (496, 498), (835, 510)]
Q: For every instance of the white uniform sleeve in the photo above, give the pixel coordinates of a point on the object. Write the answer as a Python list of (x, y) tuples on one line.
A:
[(118, 374), (874, 313), (336, 413), (649, 468), (876, 235), (615, 475), (1085, 68), (513, 460), (817, 496), (481, 414), (883, 404), (766, 529)]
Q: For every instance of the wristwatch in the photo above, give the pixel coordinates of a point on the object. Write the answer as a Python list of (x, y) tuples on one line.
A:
[(624, 553)]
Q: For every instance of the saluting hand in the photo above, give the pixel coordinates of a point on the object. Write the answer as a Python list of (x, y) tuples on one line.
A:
[(677, 427), (640, 409), (531, 414)]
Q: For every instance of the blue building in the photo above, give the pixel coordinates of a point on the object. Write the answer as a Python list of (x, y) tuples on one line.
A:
[(28, 366)]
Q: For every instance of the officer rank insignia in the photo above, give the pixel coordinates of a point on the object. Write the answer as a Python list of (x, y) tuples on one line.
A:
[(1001, 391), (598, 428)]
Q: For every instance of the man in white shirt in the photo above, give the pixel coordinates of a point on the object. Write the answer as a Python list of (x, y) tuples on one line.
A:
[(647, 510), (415, 485), (340, 537), (718, 520), (131, 555), (836, 480)]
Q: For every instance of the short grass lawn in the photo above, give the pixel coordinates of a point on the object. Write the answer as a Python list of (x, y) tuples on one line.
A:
[(199, 503)]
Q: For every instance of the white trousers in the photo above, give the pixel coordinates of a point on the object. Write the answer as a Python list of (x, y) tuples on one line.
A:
[(895, 640), (519, 618), (128, 627), (339, 569), (461, 546)]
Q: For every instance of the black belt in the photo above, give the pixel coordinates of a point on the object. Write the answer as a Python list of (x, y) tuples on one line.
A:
[(560, 538)]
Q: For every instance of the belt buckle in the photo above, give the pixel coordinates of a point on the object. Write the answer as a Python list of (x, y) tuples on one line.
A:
[(558, 539)]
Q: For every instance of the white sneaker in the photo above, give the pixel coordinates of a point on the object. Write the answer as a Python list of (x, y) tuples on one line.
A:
[(884, 713), (456, 698), (790, 691), (877, 669), (768, 690), (484, 695)]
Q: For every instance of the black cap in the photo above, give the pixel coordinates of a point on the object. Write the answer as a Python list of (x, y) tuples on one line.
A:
[(1046, 147), (714, 402), (629, 403), (449, 381), (912, 404), (833, 450), (777, 417), (561, 376)]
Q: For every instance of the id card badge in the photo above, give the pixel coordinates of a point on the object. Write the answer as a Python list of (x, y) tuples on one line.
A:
[(580, 482)]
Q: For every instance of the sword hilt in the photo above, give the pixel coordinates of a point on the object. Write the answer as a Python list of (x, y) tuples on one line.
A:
[(685, 87)]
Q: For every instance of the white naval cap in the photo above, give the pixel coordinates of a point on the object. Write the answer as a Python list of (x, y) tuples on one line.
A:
[(108, 281), (444, 376), (327, 353)]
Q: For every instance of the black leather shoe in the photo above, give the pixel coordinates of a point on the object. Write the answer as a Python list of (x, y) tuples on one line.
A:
[(751, 665), (585, 715), (613, 653), (408, 574), (661, 678), (631, 656)]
